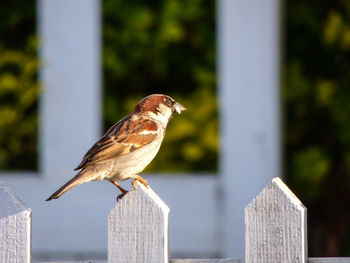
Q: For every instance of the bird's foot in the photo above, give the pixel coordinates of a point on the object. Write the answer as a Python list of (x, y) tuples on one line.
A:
[(121, 195), (121, 190), (141, 180)]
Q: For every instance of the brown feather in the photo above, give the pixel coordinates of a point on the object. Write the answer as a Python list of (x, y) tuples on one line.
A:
[(122, 138), (150, 103), (76, 180)]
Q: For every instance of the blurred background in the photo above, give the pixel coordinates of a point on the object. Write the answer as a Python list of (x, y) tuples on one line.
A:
[(170, 47)]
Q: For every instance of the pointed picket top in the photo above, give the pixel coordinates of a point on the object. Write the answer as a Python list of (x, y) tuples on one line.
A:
[(275, 226), (15, 228), (138, 228)]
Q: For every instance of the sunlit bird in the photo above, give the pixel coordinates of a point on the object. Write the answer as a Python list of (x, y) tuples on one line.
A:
[(128, 146)]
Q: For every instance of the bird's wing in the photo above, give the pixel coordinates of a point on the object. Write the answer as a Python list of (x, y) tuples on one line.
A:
[(126, 136)]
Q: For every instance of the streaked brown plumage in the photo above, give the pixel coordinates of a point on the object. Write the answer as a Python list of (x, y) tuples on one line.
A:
[(128, 146)]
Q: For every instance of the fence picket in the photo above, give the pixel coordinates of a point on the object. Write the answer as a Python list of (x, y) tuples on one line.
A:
[(275, 225), (224, 260), (15, 228), (138, 228)]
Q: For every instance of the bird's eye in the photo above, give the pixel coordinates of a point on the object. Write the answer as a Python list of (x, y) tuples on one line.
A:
[(168, 102)]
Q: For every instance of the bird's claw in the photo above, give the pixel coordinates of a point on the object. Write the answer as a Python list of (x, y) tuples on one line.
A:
[(121, 195), (141, 180)]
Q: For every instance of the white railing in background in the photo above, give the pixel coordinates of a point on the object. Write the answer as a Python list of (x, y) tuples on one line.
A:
[(275, 229)]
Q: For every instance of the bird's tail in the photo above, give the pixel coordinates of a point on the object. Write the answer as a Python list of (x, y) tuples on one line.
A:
[(76, 180)]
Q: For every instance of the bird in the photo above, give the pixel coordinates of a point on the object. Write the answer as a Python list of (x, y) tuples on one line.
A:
[(127, 147)]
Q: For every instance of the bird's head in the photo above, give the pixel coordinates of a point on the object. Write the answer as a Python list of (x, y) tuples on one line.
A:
[(161, 105)]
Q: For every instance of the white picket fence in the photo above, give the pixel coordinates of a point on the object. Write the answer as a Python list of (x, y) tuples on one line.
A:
[(275, 229)]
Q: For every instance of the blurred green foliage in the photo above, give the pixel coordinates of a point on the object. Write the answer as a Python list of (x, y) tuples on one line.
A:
[(316, 98), (165, 47), (148, 47), (18, 86)]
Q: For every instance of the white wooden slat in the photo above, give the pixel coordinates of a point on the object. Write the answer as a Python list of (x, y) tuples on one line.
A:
[(89, 261), (15, 228), (70, 103), (138, 228), (248, 72), (224, 260), (275, 226), (231, 260), (228, 260)]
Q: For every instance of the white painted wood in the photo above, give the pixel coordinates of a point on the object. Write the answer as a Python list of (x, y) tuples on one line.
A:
[(70, 114), (15, 228), (230, 260), (138, 228), (77, 261), (275, 225), (225, 260), (248, 68), (188, 196), (89, 261)]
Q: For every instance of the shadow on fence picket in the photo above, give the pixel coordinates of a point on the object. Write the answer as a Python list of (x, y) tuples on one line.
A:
[(275, 229)]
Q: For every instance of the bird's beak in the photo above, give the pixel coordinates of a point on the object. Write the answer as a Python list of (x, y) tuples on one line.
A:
[(179, 108)]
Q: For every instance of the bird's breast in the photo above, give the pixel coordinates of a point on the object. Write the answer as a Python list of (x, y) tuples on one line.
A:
[(133, 163)]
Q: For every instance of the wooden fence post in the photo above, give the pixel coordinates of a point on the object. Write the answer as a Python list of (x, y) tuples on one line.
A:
[(15, 228), (138, 228), (275, 226)]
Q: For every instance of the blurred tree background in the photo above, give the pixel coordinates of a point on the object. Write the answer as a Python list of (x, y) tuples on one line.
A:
[(316, 101), (169, 47), (19, 87), (165, 47)]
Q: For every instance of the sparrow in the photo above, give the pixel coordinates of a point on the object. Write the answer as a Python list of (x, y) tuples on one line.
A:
[(127, 147)]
